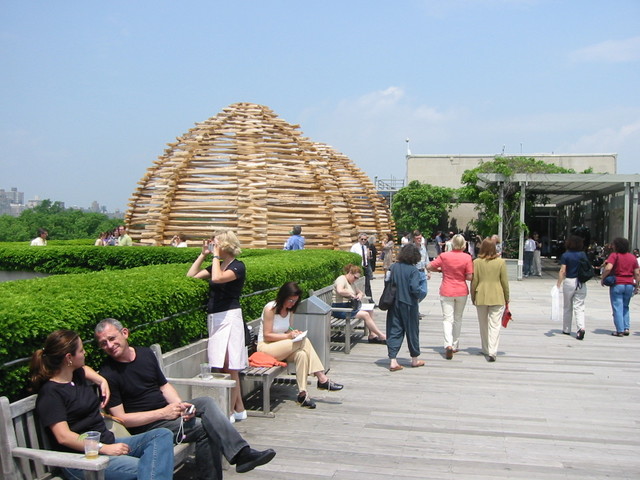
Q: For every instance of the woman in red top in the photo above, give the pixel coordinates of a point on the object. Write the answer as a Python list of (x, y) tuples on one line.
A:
[(457, 268), (624, 266)]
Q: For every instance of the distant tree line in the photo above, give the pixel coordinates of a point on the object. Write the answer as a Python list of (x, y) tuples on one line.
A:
[(62, 223)]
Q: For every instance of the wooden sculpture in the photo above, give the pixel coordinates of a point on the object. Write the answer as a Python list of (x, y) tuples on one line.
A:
[(250, 171)]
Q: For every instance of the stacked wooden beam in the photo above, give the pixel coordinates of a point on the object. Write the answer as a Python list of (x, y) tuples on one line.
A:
[(250, 171)]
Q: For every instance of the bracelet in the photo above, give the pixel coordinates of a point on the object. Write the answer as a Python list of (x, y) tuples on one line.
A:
[(290, 329), (216, 257)]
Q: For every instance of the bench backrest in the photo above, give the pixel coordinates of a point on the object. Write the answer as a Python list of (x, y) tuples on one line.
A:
[(326, 293), (19, 428), (183, 362)]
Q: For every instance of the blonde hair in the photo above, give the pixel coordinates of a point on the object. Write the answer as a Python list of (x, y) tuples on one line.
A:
[(488, 250), (228, 242), (458, 242)]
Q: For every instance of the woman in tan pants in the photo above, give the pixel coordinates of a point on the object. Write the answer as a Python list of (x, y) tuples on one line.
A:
[(277, 338), (489, 293)]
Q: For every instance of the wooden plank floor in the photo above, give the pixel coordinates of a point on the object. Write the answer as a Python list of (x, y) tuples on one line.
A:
[(551, 407)]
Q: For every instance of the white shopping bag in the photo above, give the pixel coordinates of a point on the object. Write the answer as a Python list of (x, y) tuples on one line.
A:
[(556, 304)]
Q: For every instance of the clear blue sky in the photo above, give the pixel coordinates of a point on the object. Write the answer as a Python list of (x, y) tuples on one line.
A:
[(92, 91)]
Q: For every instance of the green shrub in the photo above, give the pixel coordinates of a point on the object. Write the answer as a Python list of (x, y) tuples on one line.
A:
[(31, 309)]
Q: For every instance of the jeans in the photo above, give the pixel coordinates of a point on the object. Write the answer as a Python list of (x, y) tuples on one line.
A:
[(528, 263), (620, 295), (150, 457), (214, 436)]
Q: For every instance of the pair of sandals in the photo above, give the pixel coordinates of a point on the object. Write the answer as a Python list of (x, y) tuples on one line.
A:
[(620, 334), (419, 363)]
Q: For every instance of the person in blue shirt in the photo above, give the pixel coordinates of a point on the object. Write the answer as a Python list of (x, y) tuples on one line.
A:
[(295, 241)]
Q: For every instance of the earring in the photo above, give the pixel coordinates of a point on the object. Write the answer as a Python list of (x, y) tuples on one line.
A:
[(70, 363)]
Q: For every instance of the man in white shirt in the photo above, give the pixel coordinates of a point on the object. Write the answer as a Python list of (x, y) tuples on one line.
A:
[(529, 248), (362, 249), (41, 239)]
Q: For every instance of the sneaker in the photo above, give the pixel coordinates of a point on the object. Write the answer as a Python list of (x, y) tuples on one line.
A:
[(248, 459), (330, 385), (232, 418), (580, 334), (239, 416), (305, 401)]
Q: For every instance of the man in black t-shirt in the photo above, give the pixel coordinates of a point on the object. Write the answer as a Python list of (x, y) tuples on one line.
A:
[(143, 398)]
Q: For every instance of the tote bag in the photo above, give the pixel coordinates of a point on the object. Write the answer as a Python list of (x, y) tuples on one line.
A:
[(388, 296)]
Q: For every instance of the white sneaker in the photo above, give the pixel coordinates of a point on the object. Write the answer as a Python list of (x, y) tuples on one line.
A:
[(239, 416), (232, 418)]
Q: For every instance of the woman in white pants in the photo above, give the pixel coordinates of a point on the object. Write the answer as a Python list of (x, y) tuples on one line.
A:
[(489, 293), (457, 268), (573, 292)]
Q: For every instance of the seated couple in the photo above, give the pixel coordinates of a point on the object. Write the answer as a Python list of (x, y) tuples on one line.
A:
[(137, 392)]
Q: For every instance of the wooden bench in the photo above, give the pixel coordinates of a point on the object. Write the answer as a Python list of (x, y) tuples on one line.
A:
[(182, 369), (260, 377), (24, 449), (340, 327)]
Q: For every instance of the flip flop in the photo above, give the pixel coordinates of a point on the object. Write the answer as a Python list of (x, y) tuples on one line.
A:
[(420, 363), (396, 369)]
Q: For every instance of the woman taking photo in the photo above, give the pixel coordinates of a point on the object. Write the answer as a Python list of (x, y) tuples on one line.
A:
[(403, 316), (489, 293), (573, 292), (277, 338), (457, 268), (226, 277), (345, 291), (68, 406), (624, 266)]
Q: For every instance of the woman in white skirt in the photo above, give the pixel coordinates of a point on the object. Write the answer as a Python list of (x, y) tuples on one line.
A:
[(226, 277)]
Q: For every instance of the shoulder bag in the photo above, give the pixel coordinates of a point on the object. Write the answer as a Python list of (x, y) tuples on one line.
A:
[(388, 296), (610, 280)]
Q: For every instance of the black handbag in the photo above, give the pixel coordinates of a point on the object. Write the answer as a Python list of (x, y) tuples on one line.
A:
[(388, 296)]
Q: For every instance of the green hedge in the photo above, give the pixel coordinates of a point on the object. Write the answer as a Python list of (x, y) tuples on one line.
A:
[(57, 259), (31, 309)]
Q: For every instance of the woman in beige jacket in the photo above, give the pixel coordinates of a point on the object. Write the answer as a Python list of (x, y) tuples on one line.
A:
[(489, 293)]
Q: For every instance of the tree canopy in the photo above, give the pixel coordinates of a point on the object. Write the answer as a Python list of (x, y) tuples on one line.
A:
[(62, 224), (486, 199), (422, 206)]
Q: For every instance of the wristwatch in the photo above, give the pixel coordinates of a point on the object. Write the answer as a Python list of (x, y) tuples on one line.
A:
[(216, 257), (100, 445)]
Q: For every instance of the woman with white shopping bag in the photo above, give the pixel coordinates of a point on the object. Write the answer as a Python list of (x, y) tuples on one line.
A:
[(573, 292)]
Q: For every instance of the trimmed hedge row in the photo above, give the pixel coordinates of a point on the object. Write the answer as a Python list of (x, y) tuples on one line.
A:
[(31, 309), (57, 259)]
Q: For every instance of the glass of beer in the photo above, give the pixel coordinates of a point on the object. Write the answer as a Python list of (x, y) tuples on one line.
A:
[(91, 440)]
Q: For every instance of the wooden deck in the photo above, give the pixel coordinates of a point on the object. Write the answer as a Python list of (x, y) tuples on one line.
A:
[(551, 407)]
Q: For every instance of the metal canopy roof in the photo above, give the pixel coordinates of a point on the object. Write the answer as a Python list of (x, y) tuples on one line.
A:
[(564, 188)]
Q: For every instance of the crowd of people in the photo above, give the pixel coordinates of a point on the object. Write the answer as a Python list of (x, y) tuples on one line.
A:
[(133, 388)]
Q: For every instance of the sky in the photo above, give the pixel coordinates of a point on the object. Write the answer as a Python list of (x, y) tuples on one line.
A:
[(91, 92)]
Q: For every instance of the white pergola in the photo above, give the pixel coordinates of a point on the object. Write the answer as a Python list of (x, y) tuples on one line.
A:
[(568, 188)]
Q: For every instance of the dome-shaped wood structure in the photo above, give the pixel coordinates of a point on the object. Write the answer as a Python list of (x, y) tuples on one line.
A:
[(248, 170)]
